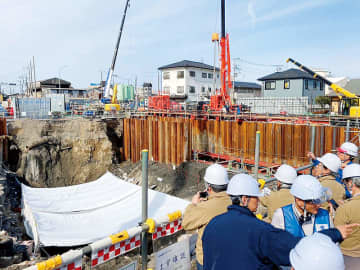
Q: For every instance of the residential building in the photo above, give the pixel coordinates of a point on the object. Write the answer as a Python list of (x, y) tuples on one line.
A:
[(353, 86), (56, 86), (246, 89), (189, 80), (145, 90), (341, 81), (292, 83)]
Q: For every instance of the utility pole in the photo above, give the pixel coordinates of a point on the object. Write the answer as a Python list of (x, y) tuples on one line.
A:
[(34, 77), (30, 79)]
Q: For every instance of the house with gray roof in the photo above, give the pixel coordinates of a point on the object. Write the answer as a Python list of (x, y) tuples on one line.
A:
[(292, 83), (246, 89)]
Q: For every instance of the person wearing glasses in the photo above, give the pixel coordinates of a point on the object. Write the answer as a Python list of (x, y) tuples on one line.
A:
[(325, 171), (347, 152), (304, 216)]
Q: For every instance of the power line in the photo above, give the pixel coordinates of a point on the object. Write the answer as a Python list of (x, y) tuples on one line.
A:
[(257, 64)]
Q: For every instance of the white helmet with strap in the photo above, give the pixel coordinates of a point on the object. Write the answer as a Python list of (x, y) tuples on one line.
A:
[(316, 252), (307, 187), (349, 149), (331, 161)]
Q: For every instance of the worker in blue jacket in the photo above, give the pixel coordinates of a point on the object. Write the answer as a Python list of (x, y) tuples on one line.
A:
[(346, 152), (238, 240)]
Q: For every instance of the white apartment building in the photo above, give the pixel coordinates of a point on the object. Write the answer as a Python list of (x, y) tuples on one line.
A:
[(189, 80)]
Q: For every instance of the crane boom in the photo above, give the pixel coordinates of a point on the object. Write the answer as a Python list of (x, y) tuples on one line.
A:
[(337, 89), (111, 70)]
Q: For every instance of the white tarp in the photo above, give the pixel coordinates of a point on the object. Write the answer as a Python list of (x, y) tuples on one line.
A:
[(82, 214)]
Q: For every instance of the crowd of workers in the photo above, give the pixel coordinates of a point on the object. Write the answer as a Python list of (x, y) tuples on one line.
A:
[(312, 220)]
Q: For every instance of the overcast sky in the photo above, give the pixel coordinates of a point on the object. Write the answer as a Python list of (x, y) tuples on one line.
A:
[(76, 38)]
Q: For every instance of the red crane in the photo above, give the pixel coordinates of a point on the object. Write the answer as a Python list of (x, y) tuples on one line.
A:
[(221, 98)]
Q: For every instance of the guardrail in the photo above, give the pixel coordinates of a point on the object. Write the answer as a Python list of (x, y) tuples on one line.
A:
[(115, 245)]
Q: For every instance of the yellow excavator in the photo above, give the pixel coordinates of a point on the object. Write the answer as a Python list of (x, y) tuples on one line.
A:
[(349, 102)]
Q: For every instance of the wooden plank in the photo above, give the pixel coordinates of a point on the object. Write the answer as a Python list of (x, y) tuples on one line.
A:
[(173, 146), (150, 137), (126, 133), (161, 141), (244, 141), (186, 141), (179, 146), (261, 128), (269, 140), (251, 137), (222, 138), (297, 145), (235, 138)]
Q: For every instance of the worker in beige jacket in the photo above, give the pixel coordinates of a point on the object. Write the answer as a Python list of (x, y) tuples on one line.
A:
[(325, 171), (348, 213), (285, 177), (203, 208)]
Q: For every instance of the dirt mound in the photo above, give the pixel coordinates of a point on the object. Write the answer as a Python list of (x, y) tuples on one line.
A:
[(182, 181)]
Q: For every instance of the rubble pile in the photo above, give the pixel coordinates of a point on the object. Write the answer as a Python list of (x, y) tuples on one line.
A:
[(13, 248)]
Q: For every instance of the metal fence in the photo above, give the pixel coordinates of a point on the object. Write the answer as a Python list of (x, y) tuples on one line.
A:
[(276, 105), (35, 108)]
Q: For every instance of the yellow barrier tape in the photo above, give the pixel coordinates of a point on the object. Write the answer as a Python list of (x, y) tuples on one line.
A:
[(50, 264), (262, 183), (259, 216), (121, 236), (174, 216), (151, 223)]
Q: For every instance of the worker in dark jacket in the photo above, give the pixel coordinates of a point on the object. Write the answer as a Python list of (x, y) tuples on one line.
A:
[(238, 240)]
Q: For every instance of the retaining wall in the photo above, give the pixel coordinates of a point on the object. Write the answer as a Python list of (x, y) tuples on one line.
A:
[(172, 140)]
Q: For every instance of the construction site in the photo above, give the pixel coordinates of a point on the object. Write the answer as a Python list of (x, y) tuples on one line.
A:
[(101, 178)]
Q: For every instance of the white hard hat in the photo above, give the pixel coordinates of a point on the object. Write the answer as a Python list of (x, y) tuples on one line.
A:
[(349, 149), (243, 184), (286, 174), (351, 170), (316, 252), (307, 187), (217, 175), (331, 161)]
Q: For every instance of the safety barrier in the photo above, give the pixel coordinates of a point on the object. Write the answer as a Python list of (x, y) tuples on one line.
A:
[(113, 246)]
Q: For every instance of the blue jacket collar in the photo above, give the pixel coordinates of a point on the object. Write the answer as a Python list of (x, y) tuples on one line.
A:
[(241, 209)]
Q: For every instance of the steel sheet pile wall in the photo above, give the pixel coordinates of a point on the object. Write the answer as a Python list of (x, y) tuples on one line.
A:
[(168, 139), (171, 140)]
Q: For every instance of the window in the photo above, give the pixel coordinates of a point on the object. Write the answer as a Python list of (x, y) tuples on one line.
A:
[(192, 73), (203, 89), (180, 74), (210, 75), (204, 75), (192, 89), (166, 75), (180, 90), (314, 84), (218, 76), (209, 89), (270, 85), (286, 84), (321, 85), (306, 84)]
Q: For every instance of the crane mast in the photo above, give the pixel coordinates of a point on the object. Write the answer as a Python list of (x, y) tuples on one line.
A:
[(106, 98)]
